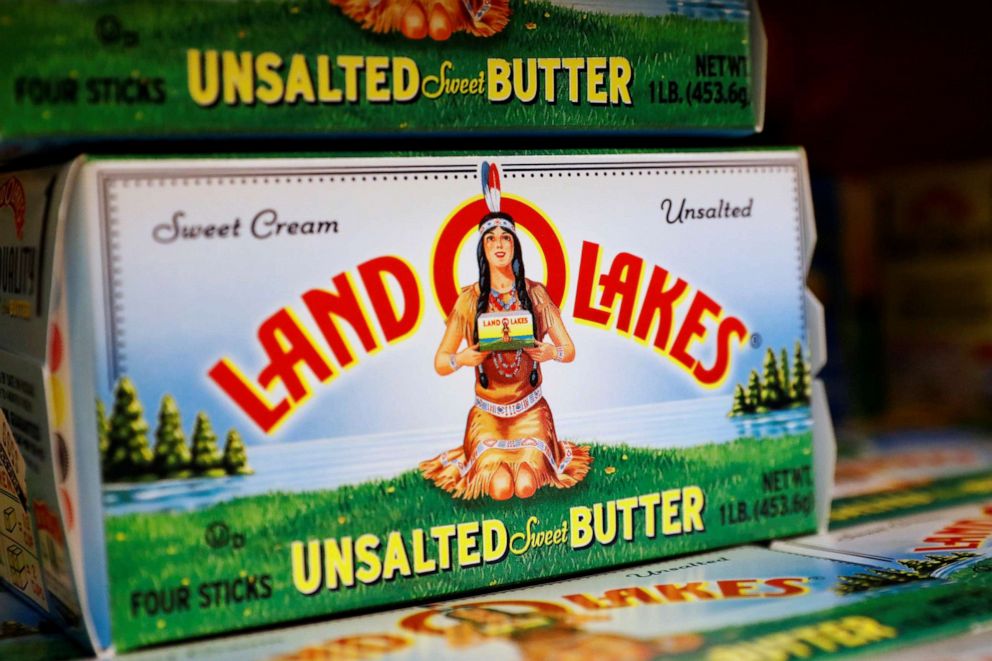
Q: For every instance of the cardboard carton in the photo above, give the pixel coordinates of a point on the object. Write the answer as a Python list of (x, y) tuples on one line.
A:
[(248, 390)]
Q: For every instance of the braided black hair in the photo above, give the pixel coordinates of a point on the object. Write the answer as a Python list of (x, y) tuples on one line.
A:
[(485, 287)]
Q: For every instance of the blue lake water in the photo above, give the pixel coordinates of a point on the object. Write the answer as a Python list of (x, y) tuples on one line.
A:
[(333, 462)]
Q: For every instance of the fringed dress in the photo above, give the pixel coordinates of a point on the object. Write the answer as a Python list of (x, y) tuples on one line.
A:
[(511, 423), (478, 18)]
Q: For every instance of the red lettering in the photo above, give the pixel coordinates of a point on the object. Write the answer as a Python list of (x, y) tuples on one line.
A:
[(693, 328), (659, 302), (326, 307), (394, 325), (661, 299), (743, 587), (287, 346), (788, 586), (948, 543), (672, 591), (234, 385), (965, 534), (630, 597), (588, 601), (623, 280), (584, 307), (730, 329)]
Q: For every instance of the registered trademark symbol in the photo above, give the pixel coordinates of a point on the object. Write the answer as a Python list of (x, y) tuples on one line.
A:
[(756, 340), (217, 535)]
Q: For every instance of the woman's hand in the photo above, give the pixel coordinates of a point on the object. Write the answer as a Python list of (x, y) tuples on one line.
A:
[(542, 352), (470, 356)]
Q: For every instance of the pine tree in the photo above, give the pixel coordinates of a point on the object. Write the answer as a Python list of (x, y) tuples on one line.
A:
[(784, 377), (102, 433), (772, 393), (206, 458), (172, 456), (933, 563), (799, 390), (916, 570), (754, 391), (235, 455), (740, 406), (874, 579), (128, 454)]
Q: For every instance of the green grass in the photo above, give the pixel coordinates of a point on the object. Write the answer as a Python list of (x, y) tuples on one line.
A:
[(162, 550), (59, 43)]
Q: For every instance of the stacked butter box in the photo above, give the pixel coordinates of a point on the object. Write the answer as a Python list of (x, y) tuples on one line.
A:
[(312, 68), (252, 389)]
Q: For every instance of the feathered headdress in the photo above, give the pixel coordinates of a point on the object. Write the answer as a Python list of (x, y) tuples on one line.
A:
[(489, 174)]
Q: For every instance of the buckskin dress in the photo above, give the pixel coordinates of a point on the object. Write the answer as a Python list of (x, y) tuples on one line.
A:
[(492, 440)]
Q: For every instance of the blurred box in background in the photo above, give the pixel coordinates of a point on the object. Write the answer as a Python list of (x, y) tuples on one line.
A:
[(907, 286), (935, 248)]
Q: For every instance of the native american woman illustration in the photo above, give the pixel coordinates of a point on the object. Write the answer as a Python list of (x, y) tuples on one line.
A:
[(417, 19), (549, 636), (510, 447)]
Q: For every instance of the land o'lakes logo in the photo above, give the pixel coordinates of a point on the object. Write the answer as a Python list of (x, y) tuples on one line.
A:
[(627, 295)]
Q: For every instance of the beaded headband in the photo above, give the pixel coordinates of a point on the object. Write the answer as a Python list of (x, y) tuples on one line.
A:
[(504, 223), (489, 174)]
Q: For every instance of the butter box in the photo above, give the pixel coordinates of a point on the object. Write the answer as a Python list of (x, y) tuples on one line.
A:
[(952, 538), (909, 471), (98, 69), (506, 331), (741, 603), (249, 390)]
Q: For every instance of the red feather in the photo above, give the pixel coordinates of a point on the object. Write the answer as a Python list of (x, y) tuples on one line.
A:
[(494, 177)]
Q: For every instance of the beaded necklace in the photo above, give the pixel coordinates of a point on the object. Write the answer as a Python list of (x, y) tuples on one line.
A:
[(496, 299)]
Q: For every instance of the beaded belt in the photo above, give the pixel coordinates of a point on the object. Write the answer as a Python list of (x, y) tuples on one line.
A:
[(507, 444), (510, 410)]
